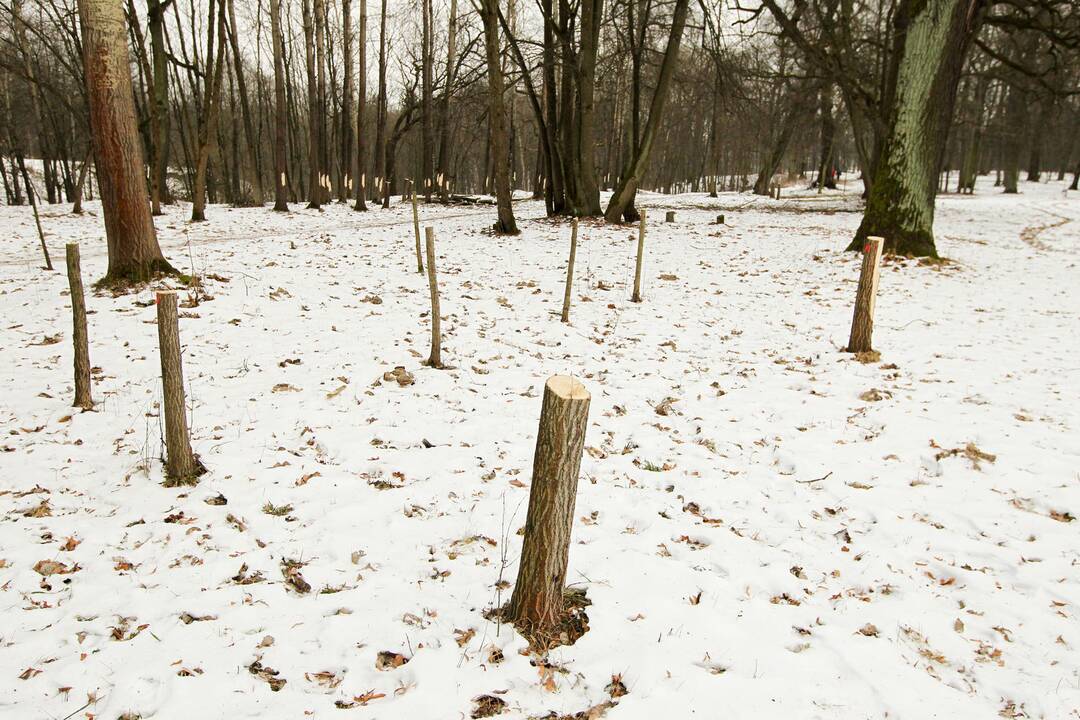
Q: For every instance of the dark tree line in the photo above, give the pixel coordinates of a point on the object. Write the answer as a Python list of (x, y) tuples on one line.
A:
[(316, 101)]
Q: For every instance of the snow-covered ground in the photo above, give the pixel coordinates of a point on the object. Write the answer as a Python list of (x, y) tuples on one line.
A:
[(766, 527)]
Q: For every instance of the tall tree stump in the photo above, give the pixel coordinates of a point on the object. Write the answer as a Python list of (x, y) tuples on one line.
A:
[(78, 335), (669, 216), (416, 232), (570, 271), (181, 466), (435, 358), (862, 322), (537, 605), (636, 297)]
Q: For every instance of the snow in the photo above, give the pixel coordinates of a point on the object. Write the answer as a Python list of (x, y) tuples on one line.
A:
[(774, 546)]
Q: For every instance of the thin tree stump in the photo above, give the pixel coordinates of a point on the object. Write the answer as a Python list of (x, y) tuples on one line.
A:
[(78, 335), (181, 466), (669, 216), (636, 297), (435, 359), (862, 322), (416, 232), (570, 271), (537, 605)]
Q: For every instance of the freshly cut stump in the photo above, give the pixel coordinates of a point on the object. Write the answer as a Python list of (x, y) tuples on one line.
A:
[(862, 321), (540, 603), (181, 465)]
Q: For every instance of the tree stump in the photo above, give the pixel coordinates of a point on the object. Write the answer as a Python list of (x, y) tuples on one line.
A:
[(537, 605), (570, 271), (669, 216), (435, 358), (636, 297), (862, 322), (78, 335), (416, 232), (181, 466), (720, 219)]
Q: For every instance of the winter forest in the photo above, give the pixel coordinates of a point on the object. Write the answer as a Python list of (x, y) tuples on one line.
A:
[(539, 359)]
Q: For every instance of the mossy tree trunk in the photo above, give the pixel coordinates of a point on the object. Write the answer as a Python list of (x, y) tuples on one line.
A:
[(931, 39)]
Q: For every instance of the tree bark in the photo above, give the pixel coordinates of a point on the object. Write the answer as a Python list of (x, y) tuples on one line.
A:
[(360, 191), (435, 358), (208, 116), (444, 130), (254, 166), (570, 271), (380, 129), (426, 99), (79, 339), (537, 604), (862, 321), (931, 39), (181, 466), (499, 134), (622, 199), (636, 297), (134, 254), (281, 187)]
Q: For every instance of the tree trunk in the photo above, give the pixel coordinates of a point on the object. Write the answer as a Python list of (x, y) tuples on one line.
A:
[(499, 137), (345, 179), (1016, 105), (181, 467), (134, 254), (622, 199), (435, 358), (444, 131), (314, 167), (360, 190), (380, 129), (426, 99), (931, 40), (537, 605), (208, 117), (159, 112), (254, 169), (79, 340), (281, 188)]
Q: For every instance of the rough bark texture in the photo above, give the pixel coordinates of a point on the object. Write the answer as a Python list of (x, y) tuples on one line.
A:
[(636, 297), (931, 40), (862, 322), (537, 603), (570, 271), (180, 464), (435, 358), (78, 333), (500, 137), (134, 254)]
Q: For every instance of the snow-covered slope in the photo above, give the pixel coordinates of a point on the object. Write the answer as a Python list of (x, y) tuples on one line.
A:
[(766, 527)]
